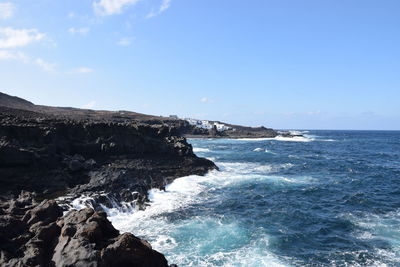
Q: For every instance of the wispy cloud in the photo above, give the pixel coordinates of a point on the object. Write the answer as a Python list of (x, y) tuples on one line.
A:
[(8, 55), (298, 114), (44, 65), (165, 4), (84, 70), (89, 105), (125, 41), (71, 15), (80, 31), (7, 10), (12, 38), (205, 100), (21, 57), (111, 7)]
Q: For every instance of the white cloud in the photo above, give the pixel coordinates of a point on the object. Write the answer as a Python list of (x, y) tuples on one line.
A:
[(313, 113), (126, 41), (11, 38), (89, 105), (204, 100), (81, 31), (7, 10), (165, 4), (46, 66), (111, 7), (19, 56), (8, 55), (84, 70), (300, 114), (71, 15)]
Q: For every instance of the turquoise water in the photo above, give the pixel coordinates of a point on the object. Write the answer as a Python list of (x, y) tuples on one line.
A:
[(330, 199)]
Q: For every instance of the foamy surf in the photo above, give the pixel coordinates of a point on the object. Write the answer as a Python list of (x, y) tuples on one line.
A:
[(280, 138), (259, 149), (209, 236), (293, 139), (379, 227), (264, 210), (200, 149)]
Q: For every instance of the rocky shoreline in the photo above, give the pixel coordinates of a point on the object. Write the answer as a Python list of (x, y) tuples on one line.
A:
[(37, 234), (45, 156), (51, 153)]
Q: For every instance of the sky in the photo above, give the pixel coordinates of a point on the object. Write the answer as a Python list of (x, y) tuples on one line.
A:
[(286, 64)]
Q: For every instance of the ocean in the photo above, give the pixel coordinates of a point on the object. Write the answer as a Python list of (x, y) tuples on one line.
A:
[(330, 198)]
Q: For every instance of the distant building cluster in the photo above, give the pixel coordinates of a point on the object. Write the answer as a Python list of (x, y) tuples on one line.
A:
[(204, 124)]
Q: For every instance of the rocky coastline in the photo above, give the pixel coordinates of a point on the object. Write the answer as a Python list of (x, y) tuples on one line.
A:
[(50, 156), (45, 156)]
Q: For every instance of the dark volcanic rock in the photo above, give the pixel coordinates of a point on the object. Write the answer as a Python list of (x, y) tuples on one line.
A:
[(36, 235), (56, 156), (110, 156)]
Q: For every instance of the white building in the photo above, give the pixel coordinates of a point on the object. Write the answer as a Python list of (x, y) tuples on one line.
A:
[(204, 124)]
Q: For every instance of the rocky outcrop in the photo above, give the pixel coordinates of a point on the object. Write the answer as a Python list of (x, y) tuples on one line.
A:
[(36, 234), (53, 156), (232, 131)]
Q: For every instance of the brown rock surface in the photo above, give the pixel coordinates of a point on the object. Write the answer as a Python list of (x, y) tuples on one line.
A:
[(33, 234)]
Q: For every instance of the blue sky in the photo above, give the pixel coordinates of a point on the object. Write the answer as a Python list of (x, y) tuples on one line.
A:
[(306, 64)]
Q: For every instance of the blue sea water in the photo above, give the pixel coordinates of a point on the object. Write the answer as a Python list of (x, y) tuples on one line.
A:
[(329, 199)]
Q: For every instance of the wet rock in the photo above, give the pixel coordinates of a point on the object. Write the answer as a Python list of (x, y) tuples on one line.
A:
[(128, 250), (43, 237), (46, 212)]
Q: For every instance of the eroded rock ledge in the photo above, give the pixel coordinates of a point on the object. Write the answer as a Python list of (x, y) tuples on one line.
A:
[(54, 157)]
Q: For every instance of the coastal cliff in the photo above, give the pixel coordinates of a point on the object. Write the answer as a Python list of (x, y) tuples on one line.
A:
[(49, 153)]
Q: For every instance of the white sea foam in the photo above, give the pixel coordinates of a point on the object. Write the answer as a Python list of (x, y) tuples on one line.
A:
[(294, 139), (380, 227), (269, 151), (298, 132), (249, 168), (205, 233), (82, 202), (279, 138), (209, 234), (254, 254), (252, 139), (200, 149), (186, 190)]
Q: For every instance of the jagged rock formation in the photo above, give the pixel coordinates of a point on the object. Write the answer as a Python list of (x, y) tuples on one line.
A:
[(35, 234), (48, 155)]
